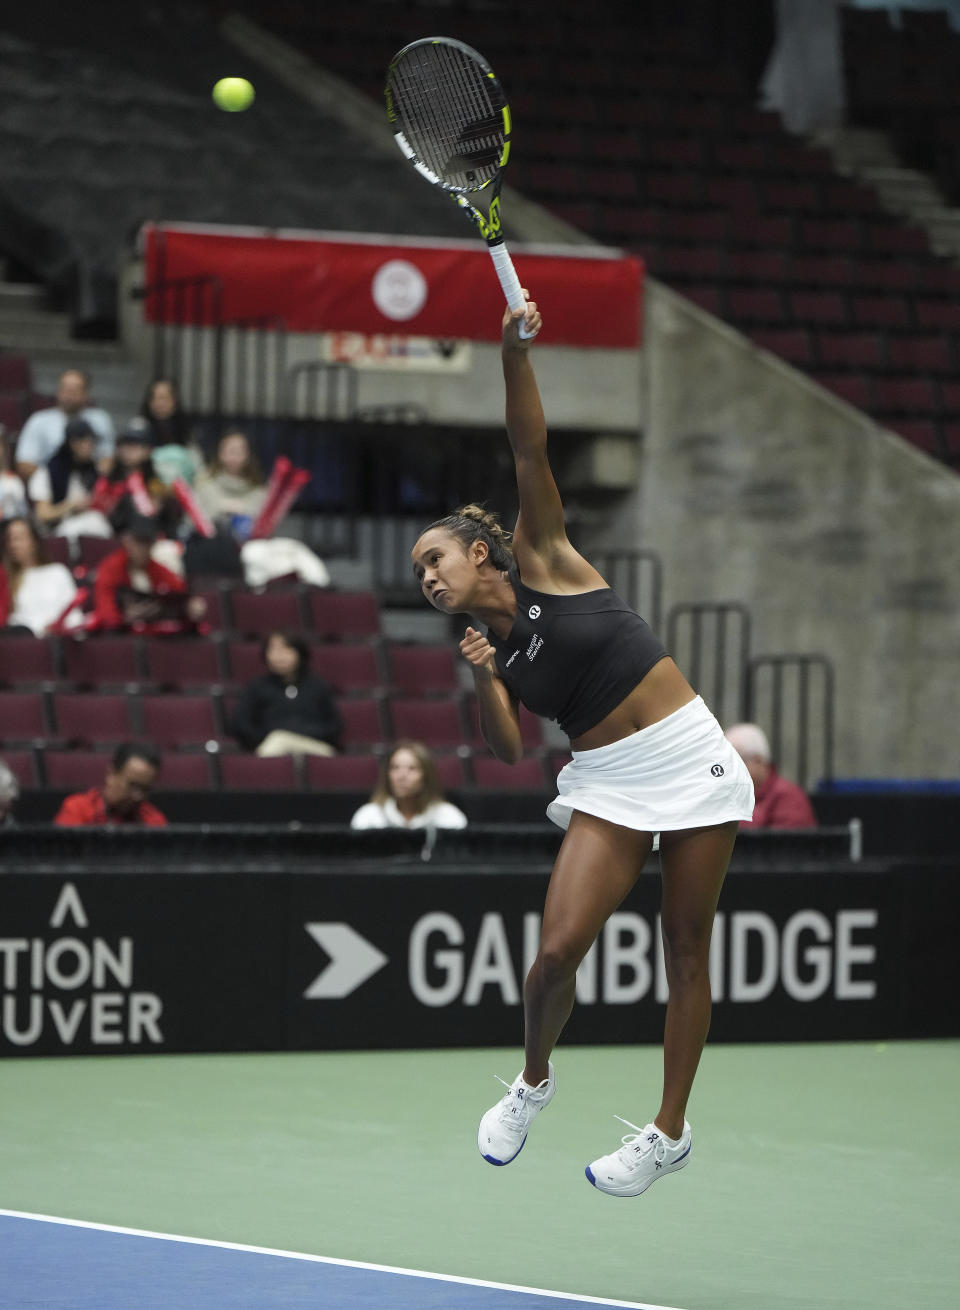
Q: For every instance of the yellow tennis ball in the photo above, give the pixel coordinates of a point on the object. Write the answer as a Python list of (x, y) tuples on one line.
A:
[(233, 94)]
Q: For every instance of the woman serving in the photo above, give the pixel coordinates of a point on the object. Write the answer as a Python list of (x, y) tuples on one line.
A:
[(648, 757)]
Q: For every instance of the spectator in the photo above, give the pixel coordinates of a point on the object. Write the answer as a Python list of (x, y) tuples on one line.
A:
[(287, 710), (129, 780), (9, 793), (135, 455), (175, 453), (62, 490), (133, 590), (42, 434), (34, 595), (13, 494), (232, 491), (779, 803), (408, 794)]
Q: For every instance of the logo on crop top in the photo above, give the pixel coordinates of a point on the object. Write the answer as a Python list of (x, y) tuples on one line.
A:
[(535, 644), (511, 659), (534, 611), (717, 770)]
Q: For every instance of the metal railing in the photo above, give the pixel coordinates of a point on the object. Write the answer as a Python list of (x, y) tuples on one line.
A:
[(637, 576), (186, 313), (710, 641), (795, 692), (319, 390)]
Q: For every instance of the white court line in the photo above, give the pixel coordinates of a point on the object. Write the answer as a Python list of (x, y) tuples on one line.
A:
[(329, 1260)]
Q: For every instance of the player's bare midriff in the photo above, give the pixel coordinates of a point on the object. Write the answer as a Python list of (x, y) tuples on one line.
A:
[(663, 691)]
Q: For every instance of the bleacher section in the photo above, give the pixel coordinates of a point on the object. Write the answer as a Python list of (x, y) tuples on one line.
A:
[(66, 702), (647, 135)]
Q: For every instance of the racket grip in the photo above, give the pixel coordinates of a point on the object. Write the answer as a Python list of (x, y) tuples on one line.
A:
[(509, 281)]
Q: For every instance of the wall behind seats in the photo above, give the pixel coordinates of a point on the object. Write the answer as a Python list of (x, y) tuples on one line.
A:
[(758, 486)]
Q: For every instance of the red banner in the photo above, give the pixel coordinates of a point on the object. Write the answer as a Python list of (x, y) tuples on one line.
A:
[(393, 285)]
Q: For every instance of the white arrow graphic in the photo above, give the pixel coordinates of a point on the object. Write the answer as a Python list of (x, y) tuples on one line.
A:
[(352, 961)]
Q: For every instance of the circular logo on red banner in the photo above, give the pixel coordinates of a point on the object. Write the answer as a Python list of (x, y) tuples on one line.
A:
[(399, 290)]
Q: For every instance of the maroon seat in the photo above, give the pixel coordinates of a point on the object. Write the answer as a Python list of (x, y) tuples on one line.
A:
[(58, 551), (943, 314), (531, 728), (244, 660), (925, 354), (897, 239), (185, 772), (343, 615), (792, 344), (23, 716), (823, 271), (843, 234), (342, 772), (755, 304), (23, 765), (75, 770), (251, 773), (180, 662), (451, 770), (15, 373), (881, 311), (86, 719), (97, 661), (919, 432), (854, 388), (258, 613), (347, 668), (851, 349), (420, 670), (176, 721), (527, 773), (906, 395), (363, 725), (437, 723), (818, 307), (26, 660), (94, 549)]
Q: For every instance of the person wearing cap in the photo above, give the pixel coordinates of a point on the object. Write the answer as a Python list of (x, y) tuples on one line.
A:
[(134, 454), (132, 588), (43, 433), (779, 802), (62, 490)]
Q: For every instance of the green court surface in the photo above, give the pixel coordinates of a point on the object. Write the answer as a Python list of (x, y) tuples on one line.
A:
[(822, 1175)]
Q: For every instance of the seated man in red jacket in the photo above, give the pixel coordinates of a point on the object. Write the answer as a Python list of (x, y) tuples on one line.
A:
[(122, 798), (779, 803), (133, 590)]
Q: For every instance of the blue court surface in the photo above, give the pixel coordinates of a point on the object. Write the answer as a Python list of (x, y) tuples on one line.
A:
[(64, 1264)]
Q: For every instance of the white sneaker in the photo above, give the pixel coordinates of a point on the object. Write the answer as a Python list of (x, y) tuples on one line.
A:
[(645, 1156), (503, 1129)]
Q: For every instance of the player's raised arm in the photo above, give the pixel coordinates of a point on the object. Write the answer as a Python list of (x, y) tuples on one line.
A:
[(540, 543)]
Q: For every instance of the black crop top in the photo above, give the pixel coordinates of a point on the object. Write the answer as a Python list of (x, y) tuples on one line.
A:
[(574, 658)]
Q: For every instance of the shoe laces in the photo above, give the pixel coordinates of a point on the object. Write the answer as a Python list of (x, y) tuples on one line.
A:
[(638, 1144), (513, 1103)]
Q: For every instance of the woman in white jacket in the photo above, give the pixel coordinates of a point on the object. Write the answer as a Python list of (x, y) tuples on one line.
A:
[(408, 794)]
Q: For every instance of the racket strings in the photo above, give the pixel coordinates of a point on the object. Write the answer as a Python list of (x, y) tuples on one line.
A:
[(448, 114)]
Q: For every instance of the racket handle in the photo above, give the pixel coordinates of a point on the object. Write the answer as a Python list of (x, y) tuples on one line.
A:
[(509, 281)]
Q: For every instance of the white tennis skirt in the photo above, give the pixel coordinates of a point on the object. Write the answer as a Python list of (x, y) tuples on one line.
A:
[(679, 773)]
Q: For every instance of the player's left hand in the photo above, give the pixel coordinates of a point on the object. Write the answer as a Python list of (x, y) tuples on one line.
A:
[(531, 320)]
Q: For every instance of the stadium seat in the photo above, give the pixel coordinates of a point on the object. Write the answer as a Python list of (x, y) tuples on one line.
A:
[(102, 661), (23, 717), (792, 344), (363, 726), (343, 615), (257, 613), (531, 728), (26, 661), (451, 770), (342, 772), (347, 668), (905, 395), (58, 551), (527, 773), (828, 307), (437, 723), (181, 662), (92, 550), (419, 670), (177, 721), (925, 354), (15, 372), (854, 388), (186, 772), (251, 773), (23, 765), (75, 770), (244, 661), (85, 719), (851, 349)]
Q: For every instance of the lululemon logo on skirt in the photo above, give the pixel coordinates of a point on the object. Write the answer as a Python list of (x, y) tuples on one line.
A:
[(399, 290), (534, 611), (717, 770)]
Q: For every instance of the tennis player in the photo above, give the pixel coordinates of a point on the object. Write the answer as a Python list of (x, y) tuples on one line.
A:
[(648, 758)]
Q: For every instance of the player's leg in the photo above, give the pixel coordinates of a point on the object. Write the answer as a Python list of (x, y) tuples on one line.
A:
[(694, 865), (597, 865)]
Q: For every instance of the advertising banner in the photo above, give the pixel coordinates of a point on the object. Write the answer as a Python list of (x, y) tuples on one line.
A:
[(127, 962), (382, 286)]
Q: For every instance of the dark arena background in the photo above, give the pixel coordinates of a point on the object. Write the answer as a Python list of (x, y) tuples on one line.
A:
[(244, 1053)]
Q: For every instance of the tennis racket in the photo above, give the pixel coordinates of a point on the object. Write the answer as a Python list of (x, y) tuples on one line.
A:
[(451, 120)]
